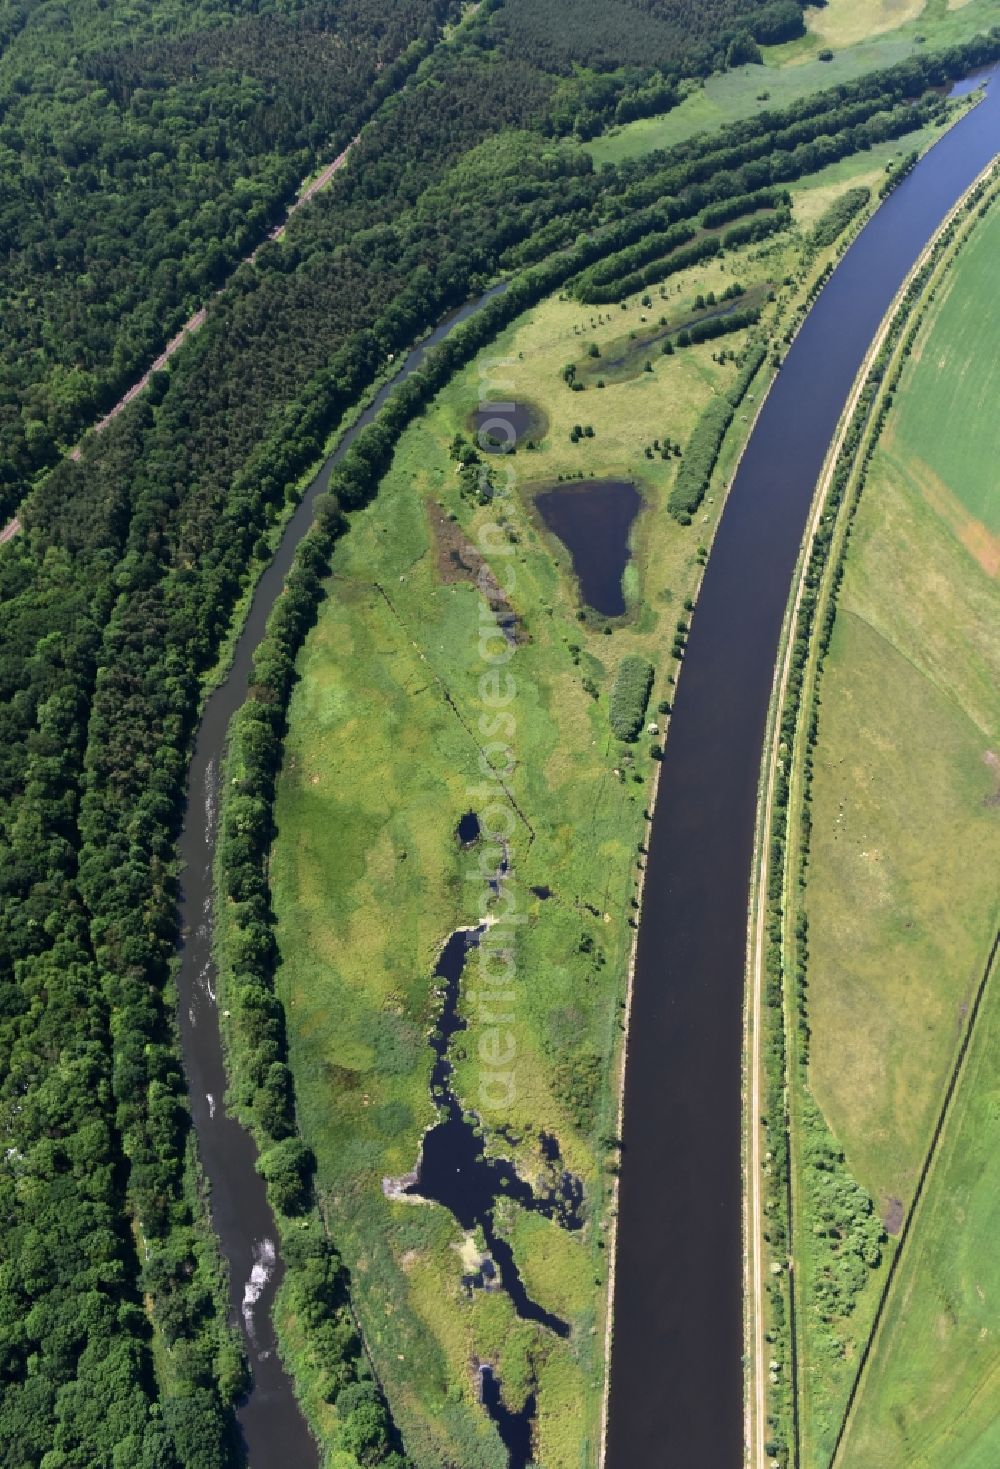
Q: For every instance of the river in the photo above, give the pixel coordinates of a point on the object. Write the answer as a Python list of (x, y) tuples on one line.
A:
[(676, 1396), (271, 1422)]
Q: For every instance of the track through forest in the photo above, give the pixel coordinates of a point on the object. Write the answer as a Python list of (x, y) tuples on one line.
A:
[(198, 318)]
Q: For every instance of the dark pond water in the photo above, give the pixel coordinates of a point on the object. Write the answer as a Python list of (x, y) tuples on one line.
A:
[(467, 829), (272, 1424), (677, 1374), (593, 519), (454, 1171), (514, 1428), (500, 427)]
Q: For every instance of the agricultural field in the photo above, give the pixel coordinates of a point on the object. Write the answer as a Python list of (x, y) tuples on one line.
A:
[(370, 874), (902, 906), (931, 1390), (858, 42)]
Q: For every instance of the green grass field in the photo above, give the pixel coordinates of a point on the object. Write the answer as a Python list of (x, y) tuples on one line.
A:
[(864, 36), (931, 1393), (902, 893), (948, 421), (384, 755)]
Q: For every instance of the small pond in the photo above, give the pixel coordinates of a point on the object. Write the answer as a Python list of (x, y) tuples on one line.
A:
[(467, 829), (500, 427), (455, 1171), (593, 519), (514, 1428)]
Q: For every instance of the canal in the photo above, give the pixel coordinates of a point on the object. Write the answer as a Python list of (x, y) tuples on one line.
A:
[(676, 1382), (676, 1394)]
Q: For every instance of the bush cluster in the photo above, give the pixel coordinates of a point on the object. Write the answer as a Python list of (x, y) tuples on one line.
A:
[(834, 220), (700, 457), (630, 696)]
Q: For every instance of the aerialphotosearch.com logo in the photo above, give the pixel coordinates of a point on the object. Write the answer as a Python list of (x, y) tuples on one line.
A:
[(494, 998)]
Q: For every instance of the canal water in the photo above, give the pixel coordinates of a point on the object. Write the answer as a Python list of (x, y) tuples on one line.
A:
[(676, 1396), (676, 1373)]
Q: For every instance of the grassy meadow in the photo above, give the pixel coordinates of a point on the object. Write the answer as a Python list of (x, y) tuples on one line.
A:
[(385, 753), (902, 896), (863, 36)]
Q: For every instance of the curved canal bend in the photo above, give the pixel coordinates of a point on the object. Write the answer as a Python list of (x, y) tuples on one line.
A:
[(676, 1395), (272, 1424)]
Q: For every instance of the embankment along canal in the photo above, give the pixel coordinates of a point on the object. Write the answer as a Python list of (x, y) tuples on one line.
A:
[(676, 1393)]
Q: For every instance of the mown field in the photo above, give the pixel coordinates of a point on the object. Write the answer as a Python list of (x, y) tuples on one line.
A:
[(383, 757), (862, 36), (902, 899)]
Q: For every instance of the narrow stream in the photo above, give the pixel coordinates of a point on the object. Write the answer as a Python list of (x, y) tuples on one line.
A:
[(676, 1370), (274, 1430)]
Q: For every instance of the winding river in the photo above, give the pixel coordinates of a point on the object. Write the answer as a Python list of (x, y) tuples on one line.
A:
[(271, 1422), (676, 1387), (676, 1393)]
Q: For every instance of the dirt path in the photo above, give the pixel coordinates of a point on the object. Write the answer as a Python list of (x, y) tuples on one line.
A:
[(319, 183), (198, 319), (757, 1398)]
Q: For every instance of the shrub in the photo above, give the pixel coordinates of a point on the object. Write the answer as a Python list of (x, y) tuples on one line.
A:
[(698, 465), (630, 696), (287, 1170), (835, 220), (576, 1081)]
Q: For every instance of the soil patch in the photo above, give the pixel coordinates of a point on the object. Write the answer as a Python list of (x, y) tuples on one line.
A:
[(458, 560), (892, 1216)]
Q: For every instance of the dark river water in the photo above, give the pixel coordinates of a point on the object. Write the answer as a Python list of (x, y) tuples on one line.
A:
[(272, 1424), (677, 1373), (593, 519)]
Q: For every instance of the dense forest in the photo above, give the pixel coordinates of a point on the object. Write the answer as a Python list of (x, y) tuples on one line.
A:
[(113, 1346), (679, 37), (144, 149)]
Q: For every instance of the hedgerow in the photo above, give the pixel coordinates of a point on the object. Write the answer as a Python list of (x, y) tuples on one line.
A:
[(630, 696), (698, 464)]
